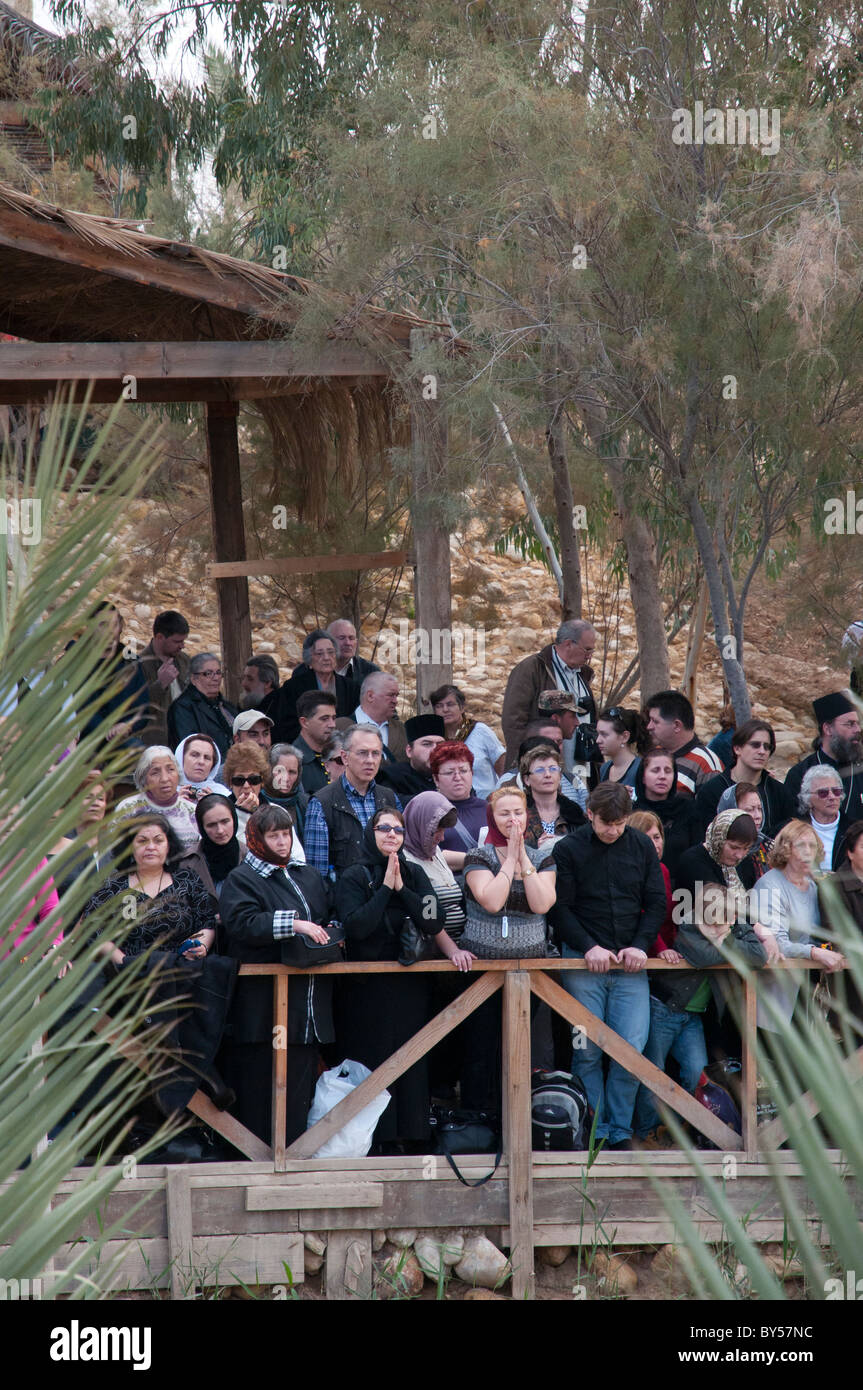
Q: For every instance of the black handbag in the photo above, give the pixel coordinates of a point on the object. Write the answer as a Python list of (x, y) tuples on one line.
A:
[(466, 1132), (414, 945), (307, 953)]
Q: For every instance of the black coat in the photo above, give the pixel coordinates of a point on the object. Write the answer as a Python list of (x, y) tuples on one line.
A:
[(282, 707), (776, 802), (194, 713), (246, 906), (405, 780), (607, 895), (681, 820), (376, 1014), (697, 865)]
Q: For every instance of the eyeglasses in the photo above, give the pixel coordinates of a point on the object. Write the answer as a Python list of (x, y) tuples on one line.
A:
[(390, 829), (253, 780), (541, 771), (824, 792), (210, 673), (615, 713), (338, 758)]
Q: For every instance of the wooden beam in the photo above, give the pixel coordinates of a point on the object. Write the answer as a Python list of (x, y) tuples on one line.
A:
[(348, 1271), (280, 1068), (410, 1052), (775, 1132), (179, 1202), (229, 543), (650, 1076), (749, 1064), (150, 392), (292, 1197), (177, 361), (310, 564), (433, 580), (517, 1132)]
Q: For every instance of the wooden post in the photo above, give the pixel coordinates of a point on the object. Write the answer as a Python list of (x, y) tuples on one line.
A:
[(348, 1268), (229, 542), (432, 579), (749, 1061), (280, 1070), (517, 1128), (179, 1215)]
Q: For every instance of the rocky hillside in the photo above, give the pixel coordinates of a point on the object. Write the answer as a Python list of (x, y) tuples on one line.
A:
[(504, 608)]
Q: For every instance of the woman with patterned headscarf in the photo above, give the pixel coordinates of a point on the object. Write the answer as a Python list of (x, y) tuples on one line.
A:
[(723, 858), (268, 904)]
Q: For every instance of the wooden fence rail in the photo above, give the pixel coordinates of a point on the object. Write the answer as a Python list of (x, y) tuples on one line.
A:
[(517, 979)]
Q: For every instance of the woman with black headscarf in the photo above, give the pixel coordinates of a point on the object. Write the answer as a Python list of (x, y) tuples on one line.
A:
[(376, 1014), (220, 849), (656, 790)]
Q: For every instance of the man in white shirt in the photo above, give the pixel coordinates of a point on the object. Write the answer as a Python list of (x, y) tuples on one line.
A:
[(379, 698)]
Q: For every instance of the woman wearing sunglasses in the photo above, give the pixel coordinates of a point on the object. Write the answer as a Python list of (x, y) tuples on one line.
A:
[(333, 757), (244, 773), (376, 1014), (282, 785)]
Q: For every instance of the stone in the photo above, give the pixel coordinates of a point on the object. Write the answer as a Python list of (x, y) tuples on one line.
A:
[(484, 1296), (312, 1263), (482, 1263), (785, 1269), (402, 1238), (400, 1274), (435, 1254), (613, 1273), (667, 1266), (314, 1243), (379, 1240), (553, 1255), (521, 639)]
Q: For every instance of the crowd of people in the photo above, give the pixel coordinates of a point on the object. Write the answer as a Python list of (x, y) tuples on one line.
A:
[(313, 821)]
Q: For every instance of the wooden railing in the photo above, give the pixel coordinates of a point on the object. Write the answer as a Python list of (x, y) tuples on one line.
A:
[(517, 979)]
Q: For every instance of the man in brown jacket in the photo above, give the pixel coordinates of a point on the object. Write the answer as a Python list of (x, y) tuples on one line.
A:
[(165, 667), (563, 665)]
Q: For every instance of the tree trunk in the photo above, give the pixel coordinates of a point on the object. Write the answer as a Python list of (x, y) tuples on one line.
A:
[(644, 590), (532, 509), (570, 560), (432, 576), (697, 625), (725, 640)]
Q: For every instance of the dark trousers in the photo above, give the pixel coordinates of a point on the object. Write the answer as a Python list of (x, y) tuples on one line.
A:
[(248, 1068)]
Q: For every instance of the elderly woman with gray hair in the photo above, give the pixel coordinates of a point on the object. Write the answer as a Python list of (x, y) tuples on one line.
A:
[(317, 672), (202, 709), (157, 777), (820, 805)]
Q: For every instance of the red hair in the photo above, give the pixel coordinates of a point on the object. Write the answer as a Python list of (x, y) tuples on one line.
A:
[(449, 753)]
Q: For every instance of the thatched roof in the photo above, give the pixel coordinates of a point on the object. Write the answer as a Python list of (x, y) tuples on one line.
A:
[(76, 277), (24, 38)]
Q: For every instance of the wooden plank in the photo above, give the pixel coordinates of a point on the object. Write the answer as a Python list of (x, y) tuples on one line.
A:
[(214, 1261), (221, 1211), (291, 1197), (229, 543), (175, 361), (749, 1060), (774, 1133), (230, 1128), (515, 1043), (390, 1070), (179, 1201), (311, 564), (652, 1231), (107, 391), (649, 1075), (420, 1205), (431, 530), (348, 1268), (280, 1069)]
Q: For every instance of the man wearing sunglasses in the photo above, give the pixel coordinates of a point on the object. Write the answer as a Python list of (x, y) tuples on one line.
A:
[(202, 709)]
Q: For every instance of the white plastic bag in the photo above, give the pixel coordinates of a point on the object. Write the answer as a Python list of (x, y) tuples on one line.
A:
[(354, 1139)]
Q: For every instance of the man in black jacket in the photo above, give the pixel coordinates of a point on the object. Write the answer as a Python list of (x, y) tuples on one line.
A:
[(610, 906), (839, 746)]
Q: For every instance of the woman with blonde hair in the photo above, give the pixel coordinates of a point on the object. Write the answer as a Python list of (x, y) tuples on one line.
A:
[(785, 900), (651, 826)]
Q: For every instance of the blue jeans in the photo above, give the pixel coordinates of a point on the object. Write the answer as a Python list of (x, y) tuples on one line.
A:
[(623, 1002), (681, 1035)]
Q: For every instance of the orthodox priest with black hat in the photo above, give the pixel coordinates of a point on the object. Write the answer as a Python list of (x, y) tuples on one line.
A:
[(838, 746), (424, 732)]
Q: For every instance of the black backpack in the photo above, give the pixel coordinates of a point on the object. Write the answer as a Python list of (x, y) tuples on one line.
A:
[(559, 1112)]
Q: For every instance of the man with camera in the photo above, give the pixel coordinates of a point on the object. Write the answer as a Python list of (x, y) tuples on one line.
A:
[(564, 666)]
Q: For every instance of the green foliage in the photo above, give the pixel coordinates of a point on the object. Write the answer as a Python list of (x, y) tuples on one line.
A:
[(49, 1057)]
